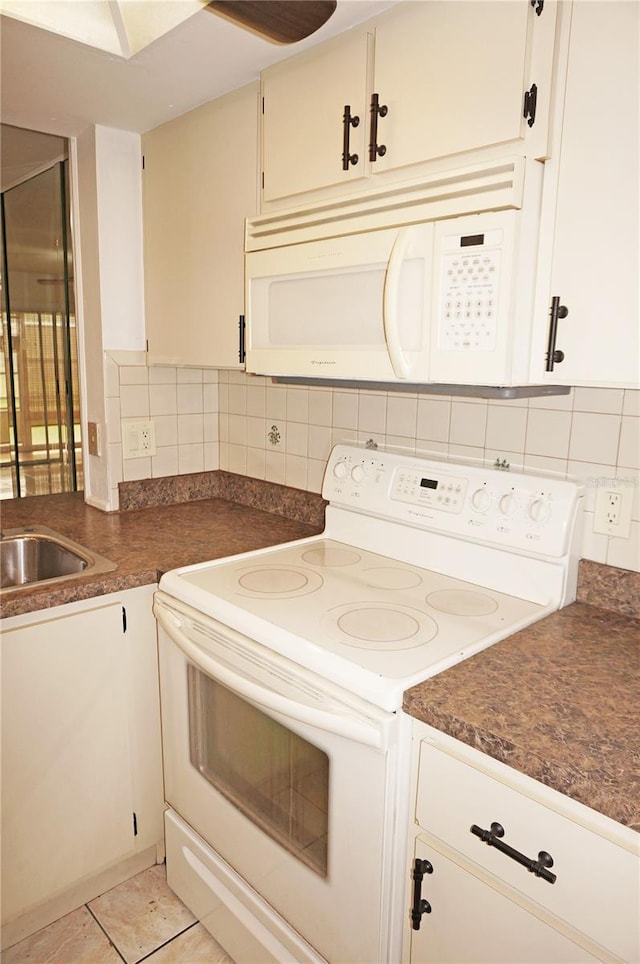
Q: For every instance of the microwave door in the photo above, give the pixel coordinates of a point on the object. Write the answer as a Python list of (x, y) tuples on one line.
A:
[(406, 301), (317, 309)]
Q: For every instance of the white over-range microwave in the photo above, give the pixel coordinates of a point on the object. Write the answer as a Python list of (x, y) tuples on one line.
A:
[(428, 282)]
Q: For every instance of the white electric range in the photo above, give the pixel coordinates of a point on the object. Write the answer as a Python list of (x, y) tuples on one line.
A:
[(422, 563)]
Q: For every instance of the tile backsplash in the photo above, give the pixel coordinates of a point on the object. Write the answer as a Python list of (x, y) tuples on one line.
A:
[(207, 419)]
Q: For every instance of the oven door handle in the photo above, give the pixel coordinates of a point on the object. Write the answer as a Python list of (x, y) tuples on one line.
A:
[(342, 720)]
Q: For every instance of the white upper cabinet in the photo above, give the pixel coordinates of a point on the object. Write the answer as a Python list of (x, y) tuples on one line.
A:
[(428, 81), (304, 104), (589, 244), (200, 183)]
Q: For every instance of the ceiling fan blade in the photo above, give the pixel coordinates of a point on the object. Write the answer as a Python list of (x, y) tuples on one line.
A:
[(285, 21)]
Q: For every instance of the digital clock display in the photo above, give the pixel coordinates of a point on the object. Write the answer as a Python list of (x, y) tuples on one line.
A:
[(428, 483)]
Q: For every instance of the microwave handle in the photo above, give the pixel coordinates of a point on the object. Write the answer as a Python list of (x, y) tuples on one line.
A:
[(353, 727), (399, 363)]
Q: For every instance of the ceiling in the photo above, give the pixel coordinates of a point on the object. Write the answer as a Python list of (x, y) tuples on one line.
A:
[(57, 85)]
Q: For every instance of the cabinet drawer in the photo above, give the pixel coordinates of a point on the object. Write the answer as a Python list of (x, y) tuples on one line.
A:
[(597, 885)]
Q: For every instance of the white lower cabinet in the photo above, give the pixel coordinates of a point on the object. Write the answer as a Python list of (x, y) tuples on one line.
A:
[(470, 921), (476, 825), (82, 797)]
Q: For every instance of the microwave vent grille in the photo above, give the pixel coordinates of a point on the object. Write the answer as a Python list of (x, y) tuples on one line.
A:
[(484, 187)]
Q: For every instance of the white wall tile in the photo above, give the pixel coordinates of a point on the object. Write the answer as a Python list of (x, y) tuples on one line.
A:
[(320, 406), (468, 424), (237, 400), (190, 429), (134, 401), (402, 415), (345, 410), (188, 376), (210, 397), (629, 451), (237, 429), (274, 466), (295, 471), (319, 442), (276, 402), (211, 427), (631, 405), (190, 399), (594, 438), (256, 432), (165, 461), (134, 469), (211, 458), (163, 375), (297, 441), (556, 403), (434, 417), (372, 412), (548, 433), (190, 458), (166, 427), (237, 459), (603, 400), (593, 475), (256, 400), (134, 375), (506, 428), (297, 405), (163, 399), (256, 463), (111, 378)]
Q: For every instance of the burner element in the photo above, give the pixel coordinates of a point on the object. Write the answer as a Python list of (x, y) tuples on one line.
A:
[(278, 581), (379, 626), (329, 556), (388, 578), (462, 602)]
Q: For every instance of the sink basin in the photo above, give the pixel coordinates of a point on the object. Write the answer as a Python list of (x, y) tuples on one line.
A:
[(36, 554)]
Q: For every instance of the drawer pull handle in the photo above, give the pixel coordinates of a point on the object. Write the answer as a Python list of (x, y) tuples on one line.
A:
[(420, 905), (538, 867)]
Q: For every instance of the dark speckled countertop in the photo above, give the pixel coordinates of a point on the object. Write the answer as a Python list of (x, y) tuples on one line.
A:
[(559, 701), (143, 542)]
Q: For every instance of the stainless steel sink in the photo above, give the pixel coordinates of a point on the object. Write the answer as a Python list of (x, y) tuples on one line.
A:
[(36, 554)]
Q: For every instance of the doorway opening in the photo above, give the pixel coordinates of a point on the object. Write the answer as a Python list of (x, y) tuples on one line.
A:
[(40, 441)]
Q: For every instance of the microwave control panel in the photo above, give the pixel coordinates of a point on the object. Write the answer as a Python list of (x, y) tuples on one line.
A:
[(470, 287)]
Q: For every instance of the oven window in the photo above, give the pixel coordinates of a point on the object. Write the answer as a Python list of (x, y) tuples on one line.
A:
[(277, 779)]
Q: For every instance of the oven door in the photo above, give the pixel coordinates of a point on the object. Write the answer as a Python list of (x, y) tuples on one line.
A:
[(287, 779)]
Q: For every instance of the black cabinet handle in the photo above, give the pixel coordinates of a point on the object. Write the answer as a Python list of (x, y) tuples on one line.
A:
[(555, 355), (538, 867), (241, 338), (348, 121), (377, 110), (420, 905)]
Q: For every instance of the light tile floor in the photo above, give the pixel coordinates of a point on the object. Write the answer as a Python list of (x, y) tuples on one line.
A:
[(139, 920)]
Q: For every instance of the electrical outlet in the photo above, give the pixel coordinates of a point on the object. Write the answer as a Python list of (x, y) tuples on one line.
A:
[(613, 511), (93, 438), (138, 439)]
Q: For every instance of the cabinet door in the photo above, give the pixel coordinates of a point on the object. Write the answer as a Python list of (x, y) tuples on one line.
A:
[(304, 101), (67, 797), (200, 183), (595, 252), (452, 76), (471, 922)]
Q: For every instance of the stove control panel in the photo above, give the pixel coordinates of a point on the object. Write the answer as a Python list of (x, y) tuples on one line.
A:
[(444, 492), (515, 510)]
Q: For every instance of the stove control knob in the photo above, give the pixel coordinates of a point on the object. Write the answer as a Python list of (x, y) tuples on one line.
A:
[(508, 503), (358, 473), (481, 500), (539, 511), (340, 470)]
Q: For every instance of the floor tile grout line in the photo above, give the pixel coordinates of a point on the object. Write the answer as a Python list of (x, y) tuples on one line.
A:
[(107, 935), (169, 941)]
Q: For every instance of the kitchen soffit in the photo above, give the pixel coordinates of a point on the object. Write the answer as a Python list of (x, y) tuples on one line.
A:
[(155, 60)]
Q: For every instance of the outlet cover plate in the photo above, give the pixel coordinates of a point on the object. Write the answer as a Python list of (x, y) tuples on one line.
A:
[(138, 438), (613, 508)]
